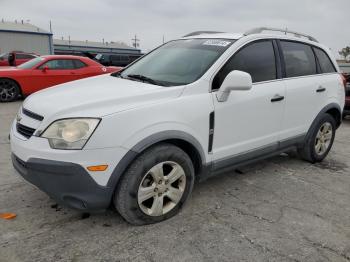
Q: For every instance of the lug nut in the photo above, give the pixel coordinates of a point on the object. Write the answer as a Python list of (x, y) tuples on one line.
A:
[(160, 194), (156, 190), (160, 181)]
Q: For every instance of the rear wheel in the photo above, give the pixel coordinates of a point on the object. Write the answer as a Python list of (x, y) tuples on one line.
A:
[(320, 140), (9, 90), (155, 186)]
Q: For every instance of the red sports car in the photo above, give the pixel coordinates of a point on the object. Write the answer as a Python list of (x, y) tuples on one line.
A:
[(16, 58), (46, 71)]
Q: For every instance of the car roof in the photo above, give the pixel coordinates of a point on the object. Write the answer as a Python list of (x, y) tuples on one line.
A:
[(236, 36), (257, 33), (64, 57), (216, 36)]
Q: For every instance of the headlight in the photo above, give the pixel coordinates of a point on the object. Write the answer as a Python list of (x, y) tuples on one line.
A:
[(70, 133)]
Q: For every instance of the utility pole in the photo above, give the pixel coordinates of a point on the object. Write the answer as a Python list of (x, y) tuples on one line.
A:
[(50, 27), (136, 41)]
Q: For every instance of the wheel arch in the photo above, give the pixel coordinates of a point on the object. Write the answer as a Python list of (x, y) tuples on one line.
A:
[(336, 114), (183, 140), (333, 109)]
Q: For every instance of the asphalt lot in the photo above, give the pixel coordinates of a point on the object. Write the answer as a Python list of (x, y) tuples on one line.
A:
[(281, 209)]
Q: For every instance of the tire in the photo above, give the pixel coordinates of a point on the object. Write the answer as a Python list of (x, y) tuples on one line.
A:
[(9, 90), (144, 196), (319, 141)]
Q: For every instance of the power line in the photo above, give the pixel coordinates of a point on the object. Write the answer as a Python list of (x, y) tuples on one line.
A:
[(136, 41)]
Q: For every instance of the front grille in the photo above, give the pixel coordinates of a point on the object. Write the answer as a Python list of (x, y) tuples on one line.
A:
[(32, 115), (24, 130)]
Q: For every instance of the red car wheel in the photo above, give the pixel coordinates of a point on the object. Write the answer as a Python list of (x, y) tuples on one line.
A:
[(9, 90)]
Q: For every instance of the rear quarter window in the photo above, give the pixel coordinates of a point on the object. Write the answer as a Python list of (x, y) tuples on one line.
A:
[(299, 59), (79, 64), (325, 62)]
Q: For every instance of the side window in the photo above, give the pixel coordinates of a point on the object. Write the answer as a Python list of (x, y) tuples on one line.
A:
[(299, 59), (59, 64), (79, 64), (257, 59), (325, 63), (124, 58), (115, 57)]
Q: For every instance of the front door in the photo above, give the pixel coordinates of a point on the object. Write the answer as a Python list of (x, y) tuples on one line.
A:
[(54, 72), (249, 120)]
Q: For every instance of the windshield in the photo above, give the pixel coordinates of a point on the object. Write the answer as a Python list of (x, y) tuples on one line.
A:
[(98, 56), (178, 62), (31, 63)]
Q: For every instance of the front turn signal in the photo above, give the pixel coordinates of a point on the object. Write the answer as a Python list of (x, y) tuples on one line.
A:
[(97, 168)]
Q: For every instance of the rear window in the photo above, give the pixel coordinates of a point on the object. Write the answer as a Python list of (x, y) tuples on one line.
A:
[(324, 61), (299, 59)]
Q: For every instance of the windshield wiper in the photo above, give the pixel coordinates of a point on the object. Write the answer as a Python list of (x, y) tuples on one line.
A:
[(145, 79), (117, 74)]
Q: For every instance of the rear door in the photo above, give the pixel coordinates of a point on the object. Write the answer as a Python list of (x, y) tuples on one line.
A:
[(329, 80), (304, 98), (249, 120)]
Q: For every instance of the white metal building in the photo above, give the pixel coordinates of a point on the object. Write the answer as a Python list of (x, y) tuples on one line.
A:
[(20, 36), (79, 47)]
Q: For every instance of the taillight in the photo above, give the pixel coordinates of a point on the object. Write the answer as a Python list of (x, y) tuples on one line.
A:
[(344, 80)]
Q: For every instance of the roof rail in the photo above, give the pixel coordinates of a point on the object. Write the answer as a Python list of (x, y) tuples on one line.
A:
[(201, 33), (259, 30)]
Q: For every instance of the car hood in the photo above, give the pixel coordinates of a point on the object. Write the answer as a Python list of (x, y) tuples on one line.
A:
[(96, 97)]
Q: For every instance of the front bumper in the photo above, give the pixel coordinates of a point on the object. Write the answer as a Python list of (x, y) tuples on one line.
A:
[(67, 183)]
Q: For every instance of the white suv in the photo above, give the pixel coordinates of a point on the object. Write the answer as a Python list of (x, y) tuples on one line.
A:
[(190, 109)]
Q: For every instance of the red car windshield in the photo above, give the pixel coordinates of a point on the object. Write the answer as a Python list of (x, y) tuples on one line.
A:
[(31, 63)]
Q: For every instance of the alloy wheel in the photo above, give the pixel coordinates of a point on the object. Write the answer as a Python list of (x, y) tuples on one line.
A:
[(323, 138), (161, 188), (7, 90)]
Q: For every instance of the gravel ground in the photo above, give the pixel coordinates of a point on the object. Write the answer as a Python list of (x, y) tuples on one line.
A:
[(281, 209)]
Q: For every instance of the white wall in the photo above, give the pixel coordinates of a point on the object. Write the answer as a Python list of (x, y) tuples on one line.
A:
[(36, 43)]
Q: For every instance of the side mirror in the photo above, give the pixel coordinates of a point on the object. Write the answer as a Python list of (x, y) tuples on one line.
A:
[(45, 68), (235, 80)]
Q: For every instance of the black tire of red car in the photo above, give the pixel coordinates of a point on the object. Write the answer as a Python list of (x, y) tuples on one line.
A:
[(127, 198), (9, 90), (308, 151)]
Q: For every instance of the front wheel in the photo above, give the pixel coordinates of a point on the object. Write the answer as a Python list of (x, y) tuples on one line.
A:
[(320, 140), (155, 186), (9, 90)]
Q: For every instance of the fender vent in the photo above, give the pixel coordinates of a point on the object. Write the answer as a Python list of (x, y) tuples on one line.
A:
[(211, 131)]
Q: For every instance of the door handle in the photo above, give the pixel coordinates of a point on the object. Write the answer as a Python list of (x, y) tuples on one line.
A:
[(277, 98), (320, 89)]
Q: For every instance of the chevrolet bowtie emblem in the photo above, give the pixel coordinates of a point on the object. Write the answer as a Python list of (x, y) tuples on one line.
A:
[(18, 118)]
